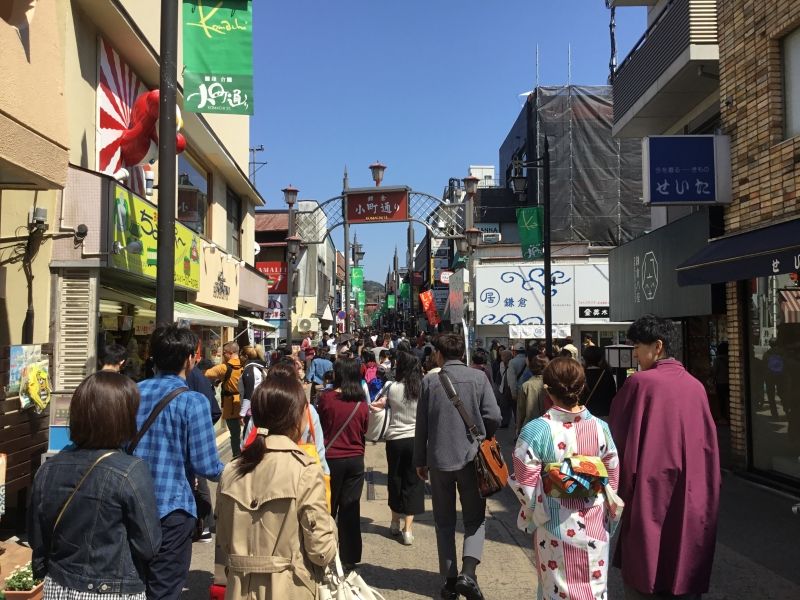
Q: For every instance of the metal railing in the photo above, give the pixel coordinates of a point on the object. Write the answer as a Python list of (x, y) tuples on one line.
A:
[(680, 24)]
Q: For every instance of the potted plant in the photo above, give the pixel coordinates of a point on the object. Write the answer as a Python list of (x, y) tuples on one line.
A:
[(21, 585)]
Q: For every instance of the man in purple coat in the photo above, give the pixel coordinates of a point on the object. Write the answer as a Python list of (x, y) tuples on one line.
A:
[(669, 475)]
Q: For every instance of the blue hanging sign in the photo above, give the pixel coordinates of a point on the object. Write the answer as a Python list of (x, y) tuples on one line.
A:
[(686, 169)]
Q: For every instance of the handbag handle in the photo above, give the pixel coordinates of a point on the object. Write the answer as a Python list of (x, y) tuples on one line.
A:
[(451, 393), (341, 429), (596, 383)]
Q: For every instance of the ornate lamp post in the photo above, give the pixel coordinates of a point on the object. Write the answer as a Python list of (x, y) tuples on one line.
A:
[(377, 169), (292, 250)]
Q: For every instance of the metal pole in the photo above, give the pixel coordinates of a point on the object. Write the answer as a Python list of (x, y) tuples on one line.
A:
[(410, 269), (290, 282), (165, 270), (396, 276), (548, 277), (345, 185)]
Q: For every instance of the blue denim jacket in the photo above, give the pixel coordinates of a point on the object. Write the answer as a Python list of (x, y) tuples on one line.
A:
[(110, 531)]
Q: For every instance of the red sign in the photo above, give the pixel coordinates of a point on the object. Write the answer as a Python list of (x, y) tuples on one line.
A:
[(278, 272), (378, 205), (429, 307)]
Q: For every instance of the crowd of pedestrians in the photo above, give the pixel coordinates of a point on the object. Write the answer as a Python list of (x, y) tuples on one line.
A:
[(113, 516)]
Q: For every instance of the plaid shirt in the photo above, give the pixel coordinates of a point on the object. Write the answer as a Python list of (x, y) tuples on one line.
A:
[(180, 444)]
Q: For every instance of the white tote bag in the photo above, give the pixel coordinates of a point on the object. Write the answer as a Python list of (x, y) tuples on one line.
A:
[(335, 586)]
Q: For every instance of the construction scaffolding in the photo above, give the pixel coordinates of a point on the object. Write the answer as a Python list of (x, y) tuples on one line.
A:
[(596, 179)]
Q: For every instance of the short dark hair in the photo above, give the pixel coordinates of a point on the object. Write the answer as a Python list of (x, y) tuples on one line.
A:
[(102, 412), (479, 357), (278, 405), (113, 354), (347, 377), (451, 346), (565, 380), (537, 364), (593, 356), (170, 346), (651, 328)]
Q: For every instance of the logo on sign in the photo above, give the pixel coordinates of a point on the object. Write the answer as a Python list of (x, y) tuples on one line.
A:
[(221, 290), (650, 275), (444, 277)]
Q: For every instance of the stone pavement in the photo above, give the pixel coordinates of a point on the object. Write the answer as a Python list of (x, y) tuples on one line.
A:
[(758, 549)]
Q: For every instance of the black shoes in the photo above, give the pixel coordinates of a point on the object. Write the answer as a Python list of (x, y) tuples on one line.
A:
[(447, 594), (468, 587)]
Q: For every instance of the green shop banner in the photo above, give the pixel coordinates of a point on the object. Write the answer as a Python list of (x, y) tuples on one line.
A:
[(405, 291), (362, 300), (391, 301), (356, 278), (529, 223), (218, 56)]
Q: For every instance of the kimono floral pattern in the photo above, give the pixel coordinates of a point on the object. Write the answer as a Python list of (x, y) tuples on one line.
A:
[(571, 535)]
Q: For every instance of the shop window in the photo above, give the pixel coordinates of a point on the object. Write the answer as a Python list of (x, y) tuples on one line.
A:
[(193, 194), (791, 82), (774, 374), (233, 234)]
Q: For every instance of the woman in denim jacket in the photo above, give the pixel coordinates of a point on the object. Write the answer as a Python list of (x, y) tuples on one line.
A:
[(110, 530)]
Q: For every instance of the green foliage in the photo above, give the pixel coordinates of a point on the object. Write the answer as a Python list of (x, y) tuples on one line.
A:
[(21, 580)]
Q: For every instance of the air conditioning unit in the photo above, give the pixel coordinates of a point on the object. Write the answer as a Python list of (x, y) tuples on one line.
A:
[(491, 238), (308, 325)]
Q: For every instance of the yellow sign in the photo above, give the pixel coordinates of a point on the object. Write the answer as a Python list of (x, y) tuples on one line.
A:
[(135, 220)]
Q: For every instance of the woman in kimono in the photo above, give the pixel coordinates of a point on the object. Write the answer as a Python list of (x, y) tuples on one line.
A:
[(565, 476)]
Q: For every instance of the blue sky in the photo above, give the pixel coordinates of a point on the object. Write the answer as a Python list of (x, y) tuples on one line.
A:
[(427, 87)]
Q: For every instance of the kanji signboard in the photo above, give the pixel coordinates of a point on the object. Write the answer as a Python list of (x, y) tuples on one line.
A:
[(686, 169), (377, 205)]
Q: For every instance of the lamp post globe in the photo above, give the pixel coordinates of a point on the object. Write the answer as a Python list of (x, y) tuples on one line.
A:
[(471, 185), (473, 235), (290, 195), (377, 169)]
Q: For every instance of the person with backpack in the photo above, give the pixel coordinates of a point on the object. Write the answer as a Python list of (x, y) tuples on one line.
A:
[(228, 373), (317, 368), (253, 373)]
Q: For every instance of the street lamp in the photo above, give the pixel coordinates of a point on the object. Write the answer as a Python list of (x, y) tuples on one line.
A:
[(377, 169), (519, 186), (292, 250), (471, 185)]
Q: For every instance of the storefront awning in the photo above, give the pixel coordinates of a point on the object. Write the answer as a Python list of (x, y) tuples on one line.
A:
[(758, 253), (258, 323), (197, 315), (790, 306)]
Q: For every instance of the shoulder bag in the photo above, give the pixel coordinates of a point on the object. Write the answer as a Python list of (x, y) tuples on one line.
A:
[(490, 468), (310, 448), (379, 419), (338, 586), (152, 417), (594, 387), (341, 429)]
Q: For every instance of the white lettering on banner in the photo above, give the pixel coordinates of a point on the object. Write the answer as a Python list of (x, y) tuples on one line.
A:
[(209, 94), (776, 266), (514, 294), (797, 262)]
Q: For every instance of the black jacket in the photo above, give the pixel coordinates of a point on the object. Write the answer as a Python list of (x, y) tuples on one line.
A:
[(110, 531), (197, 382)]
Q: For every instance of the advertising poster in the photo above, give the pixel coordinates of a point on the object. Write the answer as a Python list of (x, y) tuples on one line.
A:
[(218, 56), (21, 359)]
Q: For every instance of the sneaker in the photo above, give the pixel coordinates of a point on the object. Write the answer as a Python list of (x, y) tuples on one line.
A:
[(395, 528), (468, 587), (408, 538), (205, 537)]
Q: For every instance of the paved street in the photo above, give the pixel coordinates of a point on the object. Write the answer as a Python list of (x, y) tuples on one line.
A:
[(758, 552)]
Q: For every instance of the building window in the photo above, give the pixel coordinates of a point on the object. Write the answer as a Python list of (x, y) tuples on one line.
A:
[(774, 374), (193, 194), (233, 235), (791, 82)]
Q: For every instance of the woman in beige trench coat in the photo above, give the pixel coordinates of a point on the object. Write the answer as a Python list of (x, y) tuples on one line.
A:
[(273, 525)]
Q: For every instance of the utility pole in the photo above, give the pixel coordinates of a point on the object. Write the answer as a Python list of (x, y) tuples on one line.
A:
[(165, 270), (345, 186)]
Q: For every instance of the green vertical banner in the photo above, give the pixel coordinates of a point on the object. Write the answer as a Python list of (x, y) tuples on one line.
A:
[(391, 301), (362, 300), (529, 223), (405, 291), (218, 56), (356, 279)]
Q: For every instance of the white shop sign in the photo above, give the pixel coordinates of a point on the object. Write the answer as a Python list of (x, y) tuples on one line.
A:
[(514, 294), (488, 227)]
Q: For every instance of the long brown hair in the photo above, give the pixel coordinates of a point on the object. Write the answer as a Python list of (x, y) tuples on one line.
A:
[(564, 379), (278, 404)]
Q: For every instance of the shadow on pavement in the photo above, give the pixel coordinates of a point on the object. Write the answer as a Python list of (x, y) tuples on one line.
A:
[(415, 581), (197, 585)]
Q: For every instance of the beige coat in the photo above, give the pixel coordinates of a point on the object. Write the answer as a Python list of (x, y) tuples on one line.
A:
[(273, 526)]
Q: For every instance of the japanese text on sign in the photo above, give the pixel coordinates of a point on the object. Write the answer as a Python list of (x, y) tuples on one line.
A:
[(377, 206)]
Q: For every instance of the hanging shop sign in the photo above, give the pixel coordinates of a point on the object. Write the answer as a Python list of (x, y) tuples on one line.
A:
[(444, 277), (356, 278), (276, 308), (218, 56), (391, 301), (686, 169), (405, 291), (136, 220), (377, 205), (514, 294), (529, 223), (429, 308), (278, 274), (456, 297)]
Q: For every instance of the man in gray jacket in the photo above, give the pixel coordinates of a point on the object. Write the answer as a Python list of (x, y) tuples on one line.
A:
[(444, 450)]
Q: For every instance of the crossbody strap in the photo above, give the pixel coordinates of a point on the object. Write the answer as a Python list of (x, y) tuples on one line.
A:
[(77, 487), (451, 393), (596, 383), (153, 415), (341, 429)]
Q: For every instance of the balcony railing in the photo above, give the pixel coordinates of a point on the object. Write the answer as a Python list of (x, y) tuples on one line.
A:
[(681, 24)]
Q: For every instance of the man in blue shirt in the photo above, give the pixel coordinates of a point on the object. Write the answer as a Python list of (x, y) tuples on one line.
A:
[(179, 446), (316, 372)]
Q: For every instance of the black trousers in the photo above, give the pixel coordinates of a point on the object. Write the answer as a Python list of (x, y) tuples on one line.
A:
[(202, 500), (406, 489), (170, 568), (347, 481)]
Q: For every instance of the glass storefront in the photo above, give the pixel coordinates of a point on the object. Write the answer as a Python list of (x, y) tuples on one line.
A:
[(774, 374)]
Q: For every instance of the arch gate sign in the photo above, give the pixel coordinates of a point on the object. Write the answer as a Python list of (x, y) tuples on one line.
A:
[(442, 219)]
